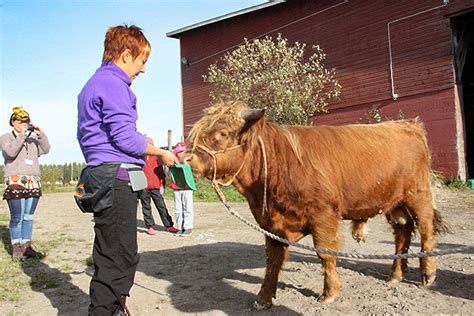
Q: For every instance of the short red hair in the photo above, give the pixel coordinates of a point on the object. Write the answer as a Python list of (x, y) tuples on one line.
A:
[(122, 37)]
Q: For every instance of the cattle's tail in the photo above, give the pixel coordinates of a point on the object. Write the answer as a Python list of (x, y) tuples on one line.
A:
[(440, 225)]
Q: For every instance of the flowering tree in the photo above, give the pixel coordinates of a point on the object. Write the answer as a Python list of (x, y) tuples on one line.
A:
[(264, 73)]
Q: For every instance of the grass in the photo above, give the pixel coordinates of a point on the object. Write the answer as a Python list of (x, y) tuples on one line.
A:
[(17, 276), (204, 192), (43, 280), (4, 217), (88, 262), (455, 183), (47, 188), (13, 280)]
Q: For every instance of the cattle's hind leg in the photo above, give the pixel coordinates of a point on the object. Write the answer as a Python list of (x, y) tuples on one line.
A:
[(402, 230), (325, 236), (276, 253), (421, 208)]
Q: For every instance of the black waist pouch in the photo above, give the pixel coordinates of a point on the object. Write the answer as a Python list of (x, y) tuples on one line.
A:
[(94, 191)]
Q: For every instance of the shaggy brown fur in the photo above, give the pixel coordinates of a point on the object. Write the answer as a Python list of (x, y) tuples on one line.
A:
[(318, 176)]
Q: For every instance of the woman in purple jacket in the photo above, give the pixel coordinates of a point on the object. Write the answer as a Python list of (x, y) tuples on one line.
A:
[(114, 151)]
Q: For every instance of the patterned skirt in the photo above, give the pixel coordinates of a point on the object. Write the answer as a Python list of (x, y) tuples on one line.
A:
[(22, 187)]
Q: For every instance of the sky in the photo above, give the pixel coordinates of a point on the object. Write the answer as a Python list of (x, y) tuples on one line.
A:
[(50, 48)]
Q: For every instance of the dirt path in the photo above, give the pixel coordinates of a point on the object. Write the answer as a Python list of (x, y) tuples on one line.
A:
[(219, 268)]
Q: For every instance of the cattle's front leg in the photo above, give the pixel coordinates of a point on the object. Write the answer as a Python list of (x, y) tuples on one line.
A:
[(332, 284), (276, 253)]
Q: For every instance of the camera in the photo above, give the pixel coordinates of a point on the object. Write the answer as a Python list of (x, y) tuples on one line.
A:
[(30, 128)]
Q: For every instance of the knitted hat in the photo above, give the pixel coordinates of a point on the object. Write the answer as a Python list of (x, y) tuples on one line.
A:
[(19, 114), (179, 149)]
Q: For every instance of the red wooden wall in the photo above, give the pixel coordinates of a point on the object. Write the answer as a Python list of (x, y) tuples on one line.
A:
[(355, 36)]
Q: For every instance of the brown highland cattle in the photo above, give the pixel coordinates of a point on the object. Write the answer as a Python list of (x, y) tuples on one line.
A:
[(317, 176)]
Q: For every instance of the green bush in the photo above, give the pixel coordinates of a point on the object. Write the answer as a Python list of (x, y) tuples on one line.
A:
[(293, 84), (455, 183)]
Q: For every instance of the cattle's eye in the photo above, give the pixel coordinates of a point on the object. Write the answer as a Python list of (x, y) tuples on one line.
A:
[(220, 138)]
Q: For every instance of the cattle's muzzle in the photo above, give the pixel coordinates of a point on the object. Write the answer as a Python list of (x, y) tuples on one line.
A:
[(198, 163)]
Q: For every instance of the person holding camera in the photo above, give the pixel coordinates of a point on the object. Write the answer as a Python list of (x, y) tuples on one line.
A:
[(21, 148)]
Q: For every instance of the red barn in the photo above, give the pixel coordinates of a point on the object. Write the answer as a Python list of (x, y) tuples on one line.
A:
[(413, 56)]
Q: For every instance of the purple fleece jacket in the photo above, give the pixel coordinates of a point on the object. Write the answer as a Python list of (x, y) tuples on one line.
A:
[(107, 116)]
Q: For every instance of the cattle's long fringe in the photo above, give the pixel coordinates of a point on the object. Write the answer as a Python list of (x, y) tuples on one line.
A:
[(223, 112), (441, 226), (226, 112)]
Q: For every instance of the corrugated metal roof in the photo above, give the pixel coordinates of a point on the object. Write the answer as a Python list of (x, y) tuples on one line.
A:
[(175, 34)]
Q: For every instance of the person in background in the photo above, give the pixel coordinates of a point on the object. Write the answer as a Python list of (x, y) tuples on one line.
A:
[(183, 200), (114, 151), (21, 148), (156, 179)]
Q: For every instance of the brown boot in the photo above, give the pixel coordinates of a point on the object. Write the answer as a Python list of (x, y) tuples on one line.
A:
[(29, 252), (17, 251)]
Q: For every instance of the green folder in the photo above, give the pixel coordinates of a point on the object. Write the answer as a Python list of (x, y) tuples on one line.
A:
[(182, 176)]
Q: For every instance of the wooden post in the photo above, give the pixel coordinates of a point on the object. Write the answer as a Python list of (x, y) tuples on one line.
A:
[(170, 140)]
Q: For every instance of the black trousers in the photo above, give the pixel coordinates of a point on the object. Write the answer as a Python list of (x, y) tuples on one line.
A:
[(145, 198), (115, 252)]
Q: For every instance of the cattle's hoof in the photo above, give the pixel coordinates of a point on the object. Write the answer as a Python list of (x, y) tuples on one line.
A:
[(326, 299), (258, 306), (428, 279), (394, 280), (359, 238)]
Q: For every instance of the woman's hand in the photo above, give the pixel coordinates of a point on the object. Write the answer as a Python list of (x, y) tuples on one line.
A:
[(166, 156), (37, 129)]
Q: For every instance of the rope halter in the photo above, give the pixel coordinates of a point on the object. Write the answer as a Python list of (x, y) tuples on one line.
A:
[(215, 183), (213, 154)]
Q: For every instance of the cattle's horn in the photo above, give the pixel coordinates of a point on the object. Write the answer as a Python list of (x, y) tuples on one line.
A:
[(252, 114)]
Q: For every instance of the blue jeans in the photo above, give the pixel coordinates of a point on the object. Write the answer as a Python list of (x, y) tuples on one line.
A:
[(21, 219)]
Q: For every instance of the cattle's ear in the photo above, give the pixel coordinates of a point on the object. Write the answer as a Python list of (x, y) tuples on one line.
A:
[(252, 114)]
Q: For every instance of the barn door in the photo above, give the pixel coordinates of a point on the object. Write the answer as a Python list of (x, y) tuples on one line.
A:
[(463, 36)]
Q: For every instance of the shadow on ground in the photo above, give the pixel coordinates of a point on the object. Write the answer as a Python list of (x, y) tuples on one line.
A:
[(56, 285), (449, 283), (187, 269), (192, 291)]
